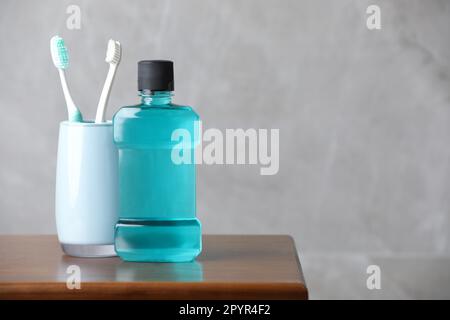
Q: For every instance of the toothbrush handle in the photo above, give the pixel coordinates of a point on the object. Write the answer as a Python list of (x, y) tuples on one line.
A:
[(71, 108), (101, 108)]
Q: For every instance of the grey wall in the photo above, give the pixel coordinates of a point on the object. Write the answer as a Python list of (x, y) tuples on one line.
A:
[(364, 119)]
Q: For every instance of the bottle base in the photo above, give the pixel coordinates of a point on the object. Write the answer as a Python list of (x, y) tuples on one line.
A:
[(158, 240)]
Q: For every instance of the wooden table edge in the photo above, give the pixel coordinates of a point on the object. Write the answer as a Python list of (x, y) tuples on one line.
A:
[(153, 291)]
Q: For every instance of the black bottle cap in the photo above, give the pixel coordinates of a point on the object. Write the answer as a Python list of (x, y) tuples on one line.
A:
[(155, 75)]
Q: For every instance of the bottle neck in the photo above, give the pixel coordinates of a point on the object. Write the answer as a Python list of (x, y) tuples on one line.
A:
[(155, 98)]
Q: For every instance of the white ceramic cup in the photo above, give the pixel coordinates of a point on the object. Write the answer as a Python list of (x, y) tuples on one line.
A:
[(86, 197)]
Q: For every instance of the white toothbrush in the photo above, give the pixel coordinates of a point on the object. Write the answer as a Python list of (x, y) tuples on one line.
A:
[(61, 61), (113, 54)]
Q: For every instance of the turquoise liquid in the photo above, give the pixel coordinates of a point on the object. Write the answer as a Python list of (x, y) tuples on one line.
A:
[(157, 215)]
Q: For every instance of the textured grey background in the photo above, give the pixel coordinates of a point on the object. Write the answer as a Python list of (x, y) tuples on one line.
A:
[(364, 119)]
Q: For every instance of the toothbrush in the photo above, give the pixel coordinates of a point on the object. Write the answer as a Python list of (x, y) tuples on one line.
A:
[(113, 55), (61, 61)]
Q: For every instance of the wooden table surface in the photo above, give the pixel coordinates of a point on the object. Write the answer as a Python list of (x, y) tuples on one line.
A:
[(230, 267)]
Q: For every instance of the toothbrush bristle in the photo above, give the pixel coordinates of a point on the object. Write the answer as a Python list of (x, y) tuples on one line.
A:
[(59, 52), (114, 52)]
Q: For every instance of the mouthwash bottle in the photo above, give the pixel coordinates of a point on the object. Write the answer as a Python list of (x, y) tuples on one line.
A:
[(157, 215)]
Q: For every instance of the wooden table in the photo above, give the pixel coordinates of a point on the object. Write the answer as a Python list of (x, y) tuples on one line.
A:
[(230, 267)]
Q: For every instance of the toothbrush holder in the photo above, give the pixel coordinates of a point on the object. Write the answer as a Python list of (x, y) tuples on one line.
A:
[(86, 196)]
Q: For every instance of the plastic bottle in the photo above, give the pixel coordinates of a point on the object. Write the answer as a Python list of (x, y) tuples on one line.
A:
[(157, 215)]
